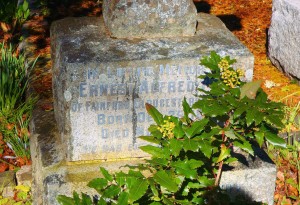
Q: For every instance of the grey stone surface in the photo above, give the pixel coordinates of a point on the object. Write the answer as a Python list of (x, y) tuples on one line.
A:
[(101, 84), (251, 178), (7, 183), (149, 18), (24, 176), (284, 38), (68, 153)]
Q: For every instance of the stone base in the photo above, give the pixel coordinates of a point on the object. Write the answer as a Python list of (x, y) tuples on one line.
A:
[(60, 163), (284, 38), (251, 178)]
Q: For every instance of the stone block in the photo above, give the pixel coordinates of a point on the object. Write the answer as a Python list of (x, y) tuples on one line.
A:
[(284, 38), (24, 176), (97, 79), (101, 84), (150, 18), (7, 183), (252, 178)]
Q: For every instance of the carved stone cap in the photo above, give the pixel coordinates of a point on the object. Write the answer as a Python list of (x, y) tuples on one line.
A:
[(149, 18)]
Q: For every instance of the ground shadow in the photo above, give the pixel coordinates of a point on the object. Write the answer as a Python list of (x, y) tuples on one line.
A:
[(232, 22), (202, 6)]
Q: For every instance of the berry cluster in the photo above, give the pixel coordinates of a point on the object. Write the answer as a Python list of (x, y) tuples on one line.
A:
[(167, 129), (230, 76)]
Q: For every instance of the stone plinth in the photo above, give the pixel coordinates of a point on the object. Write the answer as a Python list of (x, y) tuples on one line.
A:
[(150, 18), (250, 179), (100, 86), (284, 38)]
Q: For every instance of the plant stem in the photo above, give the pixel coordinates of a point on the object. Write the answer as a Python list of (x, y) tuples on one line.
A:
[(219, 173)]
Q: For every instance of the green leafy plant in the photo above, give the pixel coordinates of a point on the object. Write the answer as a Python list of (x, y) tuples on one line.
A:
[(188, 153), (22, 197), (13, 14), (15, 111)]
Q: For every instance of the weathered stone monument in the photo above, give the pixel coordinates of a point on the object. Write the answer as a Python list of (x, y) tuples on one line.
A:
[(284, 38), (104, 71)]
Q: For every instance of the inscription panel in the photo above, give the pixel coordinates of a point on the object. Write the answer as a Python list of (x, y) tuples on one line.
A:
[(108, 113)]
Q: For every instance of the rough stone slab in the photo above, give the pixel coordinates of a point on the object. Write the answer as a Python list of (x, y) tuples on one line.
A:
[(101, 84), (252, 178), (284, 38), (24, 176), (7, 183), (150, 18)]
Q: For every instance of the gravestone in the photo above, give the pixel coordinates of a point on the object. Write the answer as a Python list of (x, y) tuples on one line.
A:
[(284, 38), (101, 84), (159, 18)]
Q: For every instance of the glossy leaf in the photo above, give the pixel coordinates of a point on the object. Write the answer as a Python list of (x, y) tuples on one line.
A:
[(111, 191), (196, 128), (190, 145), (187, 110), (150, 139), (154, 113), (137, 190), (250, 89), (206, 148), (246, 146), (175, 146), (123, 199), (225, 152), (275, 140), (183, 168), (154, 151), (259, 136), (65, 200), (161, 177), (106, 174), (98, 184)]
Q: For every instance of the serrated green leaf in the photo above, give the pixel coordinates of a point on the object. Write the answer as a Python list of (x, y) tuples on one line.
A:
[(250, 117), (153, 187), (250, 89), (230, 134), (230, 160), (161, 177), (275, 140), (187, 110), (101, 201), (106, 174), (86, 199), (205, 148), (275, 121), (225, 152), (123, 198), (196, 128), (120, 178), (183, 168), (195, 163), (150, 139), (154, 113), (76, 198), (65, 200), (137, 190), (111, 191), (259, 136), (98, 184), (154, 151), (175, 146), (246, 146), (190, 145), (205, 181)]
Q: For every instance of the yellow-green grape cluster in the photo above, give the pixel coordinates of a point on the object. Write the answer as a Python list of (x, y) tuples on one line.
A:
[(167, 129), (223, 64), (232, 77)]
